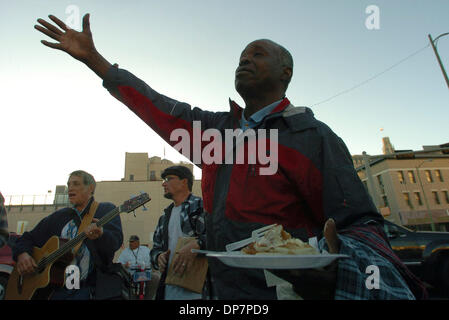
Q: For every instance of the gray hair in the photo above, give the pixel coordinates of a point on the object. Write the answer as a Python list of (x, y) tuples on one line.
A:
[(88, 179)]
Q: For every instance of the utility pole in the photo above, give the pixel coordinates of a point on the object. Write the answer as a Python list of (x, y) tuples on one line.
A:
[(432, 42)]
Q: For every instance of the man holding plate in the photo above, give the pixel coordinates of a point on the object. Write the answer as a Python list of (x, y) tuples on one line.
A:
[(313, 190)]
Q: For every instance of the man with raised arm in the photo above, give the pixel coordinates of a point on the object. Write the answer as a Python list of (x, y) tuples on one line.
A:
[(313, 191)]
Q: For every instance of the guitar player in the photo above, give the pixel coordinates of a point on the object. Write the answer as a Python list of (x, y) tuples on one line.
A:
[(101, 243)]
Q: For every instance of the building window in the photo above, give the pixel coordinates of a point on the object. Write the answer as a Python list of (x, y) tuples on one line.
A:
[(152, 175), (438, 175), (436, 198), (411, 177), (429, 176), (131, 177), (407, 200), (381, 183), (446, 196), (401, 177), (385, 199), (418, 198)]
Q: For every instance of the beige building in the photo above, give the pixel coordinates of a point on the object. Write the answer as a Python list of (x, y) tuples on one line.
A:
[(138, 167), (409, 187), (139, 177)]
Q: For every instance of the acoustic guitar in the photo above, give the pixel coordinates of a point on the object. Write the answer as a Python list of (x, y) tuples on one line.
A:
[(54, 256)]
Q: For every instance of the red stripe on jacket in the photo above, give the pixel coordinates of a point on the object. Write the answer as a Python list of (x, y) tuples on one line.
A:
[(291, 197)]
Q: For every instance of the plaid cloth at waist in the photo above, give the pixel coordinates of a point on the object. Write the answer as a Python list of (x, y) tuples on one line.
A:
[(366, 246)]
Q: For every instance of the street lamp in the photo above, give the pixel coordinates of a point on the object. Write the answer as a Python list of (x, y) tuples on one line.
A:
[(432, 224), (432, 42)]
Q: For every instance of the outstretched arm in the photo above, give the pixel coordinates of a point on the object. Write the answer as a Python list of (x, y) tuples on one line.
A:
[(79, 45)]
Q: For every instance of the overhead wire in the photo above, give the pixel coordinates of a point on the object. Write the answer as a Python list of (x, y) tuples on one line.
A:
[(372, 78)]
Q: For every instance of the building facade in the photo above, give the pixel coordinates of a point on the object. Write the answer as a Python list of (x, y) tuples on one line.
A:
[(409, 188), (138, 167)]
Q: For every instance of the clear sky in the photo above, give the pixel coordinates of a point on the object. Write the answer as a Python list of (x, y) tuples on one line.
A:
[(56, 117)]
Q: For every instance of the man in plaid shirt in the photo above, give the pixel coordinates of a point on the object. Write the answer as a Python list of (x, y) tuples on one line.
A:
[(183, 218)]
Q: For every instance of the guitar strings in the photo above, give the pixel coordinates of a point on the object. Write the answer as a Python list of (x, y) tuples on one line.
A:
[(69, 244)]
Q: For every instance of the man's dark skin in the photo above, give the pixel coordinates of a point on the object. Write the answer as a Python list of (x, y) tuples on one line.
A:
[(260, 79)]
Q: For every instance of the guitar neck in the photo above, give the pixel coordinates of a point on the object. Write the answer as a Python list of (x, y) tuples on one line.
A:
[(108, 217), (66, 247), (127, 206)]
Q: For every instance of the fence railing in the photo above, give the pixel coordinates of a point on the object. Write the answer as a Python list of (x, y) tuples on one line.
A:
[(36, 199)]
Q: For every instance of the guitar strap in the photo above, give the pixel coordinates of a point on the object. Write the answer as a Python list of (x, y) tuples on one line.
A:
[(87, 220)]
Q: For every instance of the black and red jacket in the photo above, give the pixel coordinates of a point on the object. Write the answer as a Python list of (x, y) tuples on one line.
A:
[(315, 178)]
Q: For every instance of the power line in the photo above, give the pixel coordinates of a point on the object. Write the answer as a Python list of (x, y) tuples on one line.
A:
[(372, 78)]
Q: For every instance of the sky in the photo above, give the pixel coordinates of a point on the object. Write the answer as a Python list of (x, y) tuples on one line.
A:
[(56, 117)]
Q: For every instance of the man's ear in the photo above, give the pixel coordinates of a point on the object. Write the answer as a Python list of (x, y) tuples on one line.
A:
[(91, 189), (287, 74)]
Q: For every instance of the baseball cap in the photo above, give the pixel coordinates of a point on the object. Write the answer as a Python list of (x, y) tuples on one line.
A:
[(134, 238), (181, 172)]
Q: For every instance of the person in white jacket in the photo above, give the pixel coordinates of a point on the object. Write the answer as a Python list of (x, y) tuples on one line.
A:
[(135, 255)]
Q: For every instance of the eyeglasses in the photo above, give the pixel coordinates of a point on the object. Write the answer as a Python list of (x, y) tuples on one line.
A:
[(167, 179)]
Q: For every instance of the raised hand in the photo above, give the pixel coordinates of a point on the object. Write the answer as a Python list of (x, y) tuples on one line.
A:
[(79, 45)]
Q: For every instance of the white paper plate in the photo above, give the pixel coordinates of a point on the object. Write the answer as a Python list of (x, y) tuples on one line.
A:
[(260, 261)]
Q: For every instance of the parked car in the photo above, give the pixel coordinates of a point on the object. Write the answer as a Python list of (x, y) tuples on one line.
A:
[(425, 253), (6, 263)]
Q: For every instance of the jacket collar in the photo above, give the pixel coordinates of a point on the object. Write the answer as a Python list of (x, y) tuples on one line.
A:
[(186, 201), (236, 110), (296, 118), (299, 118)]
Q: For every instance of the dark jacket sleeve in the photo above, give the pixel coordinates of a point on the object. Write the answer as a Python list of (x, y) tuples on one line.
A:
[(345, 198), (161, 113), (201, 227), (112, 237), (34, 238)]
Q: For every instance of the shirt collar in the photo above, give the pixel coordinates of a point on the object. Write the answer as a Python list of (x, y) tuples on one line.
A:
[(258, 116)]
